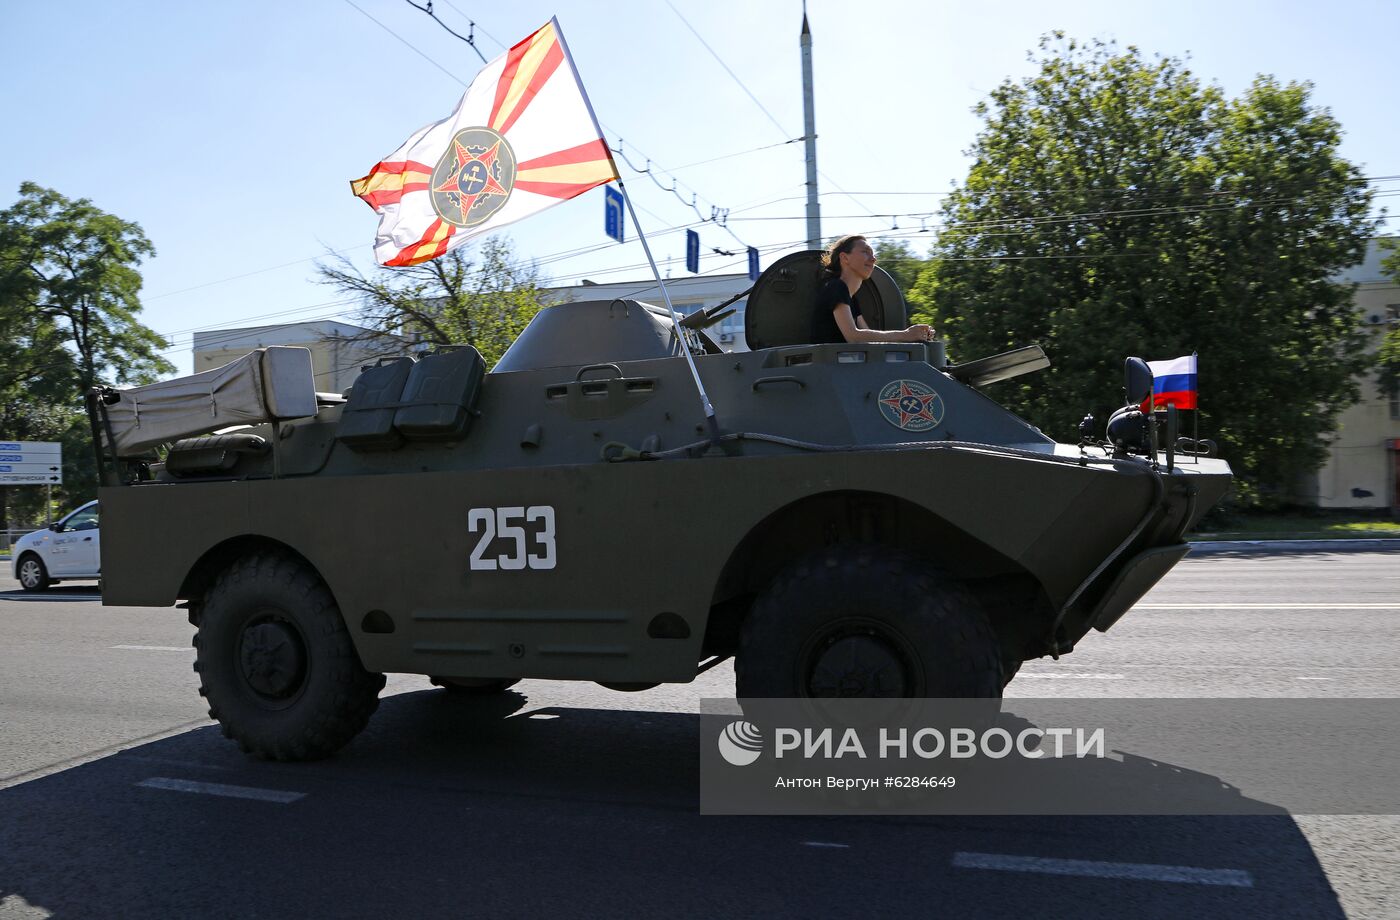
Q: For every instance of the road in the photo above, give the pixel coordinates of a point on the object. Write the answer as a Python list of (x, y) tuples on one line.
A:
[(118, 798)]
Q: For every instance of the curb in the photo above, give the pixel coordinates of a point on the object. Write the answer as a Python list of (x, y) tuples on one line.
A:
[(1341, 545)]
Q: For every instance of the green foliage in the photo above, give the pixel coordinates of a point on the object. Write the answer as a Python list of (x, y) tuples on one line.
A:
[(485, 302), (1388, 357), (898, 258), (69, 297), (73, 266), (1116, 206)]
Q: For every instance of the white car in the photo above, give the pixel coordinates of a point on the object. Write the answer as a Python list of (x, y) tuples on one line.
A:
[(68, 548)]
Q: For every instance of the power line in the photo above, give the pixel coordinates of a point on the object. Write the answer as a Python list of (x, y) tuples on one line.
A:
[(409, 44), (715, 55), (717, 212), (469, 38)]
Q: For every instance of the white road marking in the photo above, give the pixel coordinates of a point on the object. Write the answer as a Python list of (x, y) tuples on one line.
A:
[(1206, 606), (1263, 667), (1153, 872), (1312, 678), (232, 792), (156, 648), (818, 843), (1048, 675)]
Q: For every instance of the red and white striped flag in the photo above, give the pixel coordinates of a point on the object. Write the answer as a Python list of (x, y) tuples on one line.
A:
[(522, 139)]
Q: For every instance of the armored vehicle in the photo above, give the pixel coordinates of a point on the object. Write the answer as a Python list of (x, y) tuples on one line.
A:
[(858, 519)]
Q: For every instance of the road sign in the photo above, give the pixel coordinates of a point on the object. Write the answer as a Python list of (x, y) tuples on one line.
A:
[(613, 224), (692, 251), (753, 264), (36, 448), (31, 463)]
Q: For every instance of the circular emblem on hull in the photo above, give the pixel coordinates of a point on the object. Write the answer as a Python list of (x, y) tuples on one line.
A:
[(473, 179), (910, 405)]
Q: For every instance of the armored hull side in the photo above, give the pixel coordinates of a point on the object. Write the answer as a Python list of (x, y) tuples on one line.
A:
[(607, 548)]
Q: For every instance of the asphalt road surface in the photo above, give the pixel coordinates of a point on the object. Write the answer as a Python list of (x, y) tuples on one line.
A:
[(118, 798)]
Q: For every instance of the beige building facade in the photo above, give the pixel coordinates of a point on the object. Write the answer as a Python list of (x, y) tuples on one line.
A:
[(338, 350), (1363, 465), (688, 294)]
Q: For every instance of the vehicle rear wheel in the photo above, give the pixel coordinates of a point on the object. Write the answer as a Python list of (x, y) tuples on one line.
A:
[(33, 576), (475, 686), (863, 621), (277, 664)]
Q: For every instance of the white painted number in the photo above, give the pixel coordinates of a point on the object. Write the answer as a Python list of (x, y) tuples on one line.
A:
[(485, 517), (505, 523), (545, 538)]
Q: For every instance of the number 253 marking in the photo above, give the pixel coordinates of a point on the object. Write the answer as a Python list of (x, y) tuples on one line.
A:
[(505, 523)]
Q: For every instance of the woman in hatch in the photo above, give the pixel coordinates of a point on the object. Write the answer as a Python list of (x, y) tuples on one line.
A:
[(845, 267)]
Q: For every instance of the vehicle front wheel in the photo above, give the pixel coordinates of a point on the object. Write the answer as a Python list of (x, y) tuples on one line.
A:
[(864, 621), (33, 576), (277, 664)]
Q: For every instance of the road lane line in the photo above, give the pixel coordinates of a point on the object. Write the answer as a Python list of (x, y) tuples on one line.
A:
[(1190, 875), (221, 789), (1263, 667), (818, 843), (1049, 675), (1266, 607), (156, 648)]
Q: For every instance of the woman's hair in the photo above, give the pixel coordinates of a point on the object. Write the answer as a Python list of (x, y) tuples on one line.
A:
[(831, 259)]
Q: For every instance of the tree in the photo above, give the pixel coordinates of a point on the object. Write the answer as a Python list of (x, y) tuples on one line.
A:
[(1388, 357), (485, 302), (69, 297), (1116, 206), (74, 266)]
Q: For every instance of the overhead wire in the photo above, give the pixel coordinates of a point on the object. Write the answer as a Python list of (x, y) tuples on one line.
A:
[(469, 38), (408, 43), (717, 213), (564, 256)]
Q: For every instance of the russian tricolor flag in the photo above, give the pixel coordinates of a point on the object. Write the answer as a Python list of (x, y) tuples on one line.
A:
[(1174, 382)]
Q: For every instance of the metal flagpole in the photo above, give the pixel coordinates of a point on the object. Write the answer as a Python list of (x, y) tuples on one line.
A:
[(675, 320)]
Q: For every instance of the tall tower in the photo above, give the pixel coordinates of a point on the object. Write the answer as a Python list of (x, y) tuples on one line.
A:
[(809, 123)]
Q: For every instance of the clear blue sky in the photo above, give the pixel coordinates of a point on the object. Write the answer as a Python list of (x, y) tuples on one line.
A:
[(229, 131)]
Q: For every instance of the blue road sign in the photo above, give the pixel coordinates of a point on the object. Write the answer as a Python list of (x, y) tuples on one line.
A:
[(692, 251), (612, 213), (753, 264)]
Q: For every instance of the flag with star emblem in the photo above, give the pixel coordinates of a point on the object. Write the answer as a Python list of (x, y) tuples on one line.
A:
[(522, 139)]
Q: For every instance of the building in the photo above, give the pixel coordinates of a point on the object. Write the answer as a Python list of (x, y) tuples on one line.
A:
[(338, 350), (1363, 464), (687, 296)]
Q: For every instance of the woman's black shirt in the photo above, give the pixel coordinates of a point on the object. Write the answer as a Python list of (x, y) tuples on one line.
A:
[(824, 328)]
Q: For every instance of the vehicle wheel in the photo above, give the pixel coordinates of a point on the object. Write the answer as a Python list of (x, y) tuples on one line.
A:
[(475, 686), (861, 621), (1009, 669), (32, 574), (277, 664)]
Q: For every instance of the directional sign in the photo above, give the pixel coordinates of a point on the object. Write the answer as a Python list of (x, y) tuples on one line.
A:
[(31, 463), (613, 224), (692, 251), (31, 447)]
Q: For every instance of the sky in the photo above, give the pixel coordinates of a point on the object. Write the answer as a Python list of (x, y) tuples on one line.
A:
[(229, 131)]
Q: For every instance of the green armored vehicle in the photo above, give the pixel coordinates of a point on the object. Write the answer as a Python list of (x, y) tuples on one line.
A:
[(860, 521)]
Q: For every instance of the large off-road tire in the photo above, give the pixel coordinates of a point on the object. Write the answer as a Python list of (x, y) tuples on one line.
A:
[(33, 576), (276, 663), (475, 686), (863, 621)]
